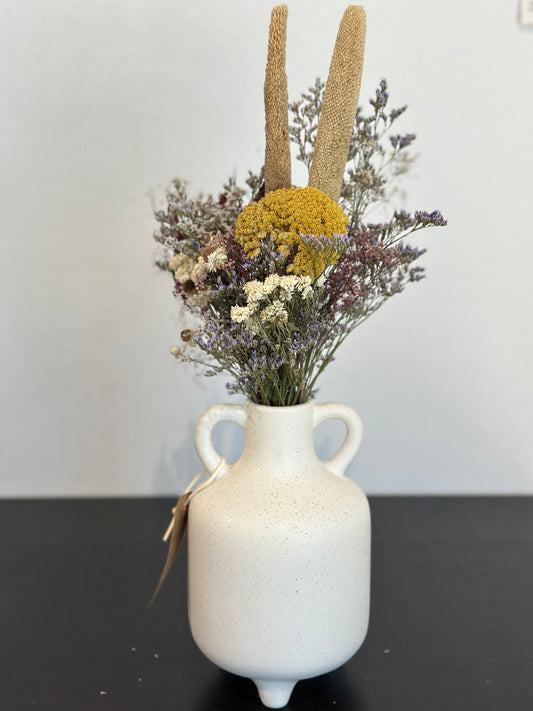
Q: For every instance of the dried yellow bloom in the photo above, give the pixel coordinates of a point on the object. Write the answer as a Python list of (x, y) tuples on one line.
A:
[(284, 216)]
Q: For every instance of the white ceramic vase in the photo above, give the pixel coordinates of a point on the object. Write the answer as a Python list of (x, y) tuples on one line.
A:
[(279, 549)]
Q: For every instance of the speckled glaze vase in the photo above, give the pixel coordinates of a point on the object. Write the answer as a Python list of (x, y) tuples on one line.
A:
[(279, 549)]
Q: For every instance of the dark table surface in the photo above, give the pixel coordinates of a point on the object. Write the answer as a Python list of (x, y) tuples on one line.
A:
[(451, 624)]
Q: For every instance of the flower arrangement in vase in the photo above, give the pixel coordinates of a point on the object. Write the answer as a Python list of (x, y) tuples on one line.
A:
[(274, 278)]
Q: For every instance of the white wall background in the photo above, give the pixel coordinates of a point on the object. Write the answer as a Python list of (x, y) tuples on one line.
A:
[(104, 101)]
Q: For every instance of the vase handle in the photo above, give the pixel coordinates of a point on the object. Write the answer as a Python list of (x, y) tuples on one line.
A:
[(354, 433), (202, 434)]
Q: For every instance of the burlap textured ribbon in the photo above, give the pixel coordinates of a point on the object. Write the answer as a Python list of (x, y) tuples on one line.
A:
[(178, 525)]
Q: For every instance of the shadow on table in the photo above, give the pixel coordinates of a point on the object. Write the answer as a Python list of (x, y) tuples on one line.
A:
[(229, 691)]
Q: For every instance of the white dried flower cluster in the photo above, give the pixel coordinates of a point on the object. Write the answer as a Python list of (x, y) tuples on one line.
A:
[(187, 269), (183, 267), (283, 287), (215, 259), (241, 314), (274, 313), (287, 285)]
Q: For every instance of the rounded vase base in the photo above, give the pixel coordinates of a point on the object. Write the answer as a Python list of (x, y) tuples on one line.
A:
[(274, 694)]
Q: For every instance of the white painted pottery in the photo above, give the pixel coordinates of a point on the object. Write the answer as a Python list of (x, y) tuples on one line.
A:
[(279, 549)]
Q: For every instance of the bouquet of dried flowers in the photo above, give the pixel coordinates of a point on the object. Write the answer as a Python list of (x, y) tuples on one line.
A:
[(275, 277)]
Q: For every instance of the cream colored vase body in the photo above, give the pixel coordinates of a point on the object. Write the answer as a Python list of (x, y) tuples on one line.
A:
[(279, 549)]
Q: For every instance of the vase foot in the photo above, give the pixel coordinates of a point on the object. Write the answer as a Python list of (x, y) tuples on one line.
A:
[(274, 694)]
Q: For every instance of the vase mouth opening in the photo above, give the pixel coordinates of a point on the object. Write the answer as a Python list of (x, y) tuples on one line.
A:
[(285, 408)]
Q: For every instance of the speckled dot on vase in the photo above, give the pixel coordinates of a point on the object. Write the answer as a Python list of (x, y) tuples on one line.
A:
[(279, 549)]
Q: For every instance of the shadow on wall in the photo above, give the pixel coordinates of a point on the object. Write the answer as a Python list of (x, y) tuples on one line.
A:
[(177, 467), (328, 438)]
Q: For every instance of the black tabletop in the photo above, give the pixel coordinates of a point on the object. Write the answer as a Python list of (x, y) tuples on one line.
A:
[(451, 624)]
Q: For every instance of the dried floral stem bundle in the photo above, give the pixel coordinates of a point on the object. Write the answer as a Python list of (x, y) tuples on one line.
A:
[(277, 150), (340, 104), (275, 286)]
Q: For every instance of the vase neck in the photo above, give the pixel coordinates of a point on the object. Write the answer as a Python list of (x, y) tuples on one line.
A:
[(280, 439)]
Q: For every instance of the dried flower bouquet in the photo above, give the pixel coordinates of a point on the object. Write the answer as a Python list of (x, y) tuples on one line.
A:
[(276, 285)]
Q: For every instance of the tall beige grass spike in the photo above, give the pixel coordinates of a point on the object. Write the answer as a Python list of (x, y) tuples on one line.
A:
[(340, 104), (277, 150)]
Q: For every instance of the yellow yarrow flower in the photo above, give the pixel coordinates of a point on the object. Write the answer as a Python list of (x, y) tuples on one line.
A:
[(284, 215)]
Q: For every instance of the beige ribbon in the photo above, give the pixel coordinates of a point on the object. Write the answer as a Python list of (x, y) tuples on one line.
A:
[(178, 524)]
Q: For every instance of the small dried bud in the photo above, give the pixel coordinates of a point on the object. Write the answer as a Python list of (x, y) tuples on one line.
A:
[(189, 287), (187, 334), (180, 355), (206, 251)]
